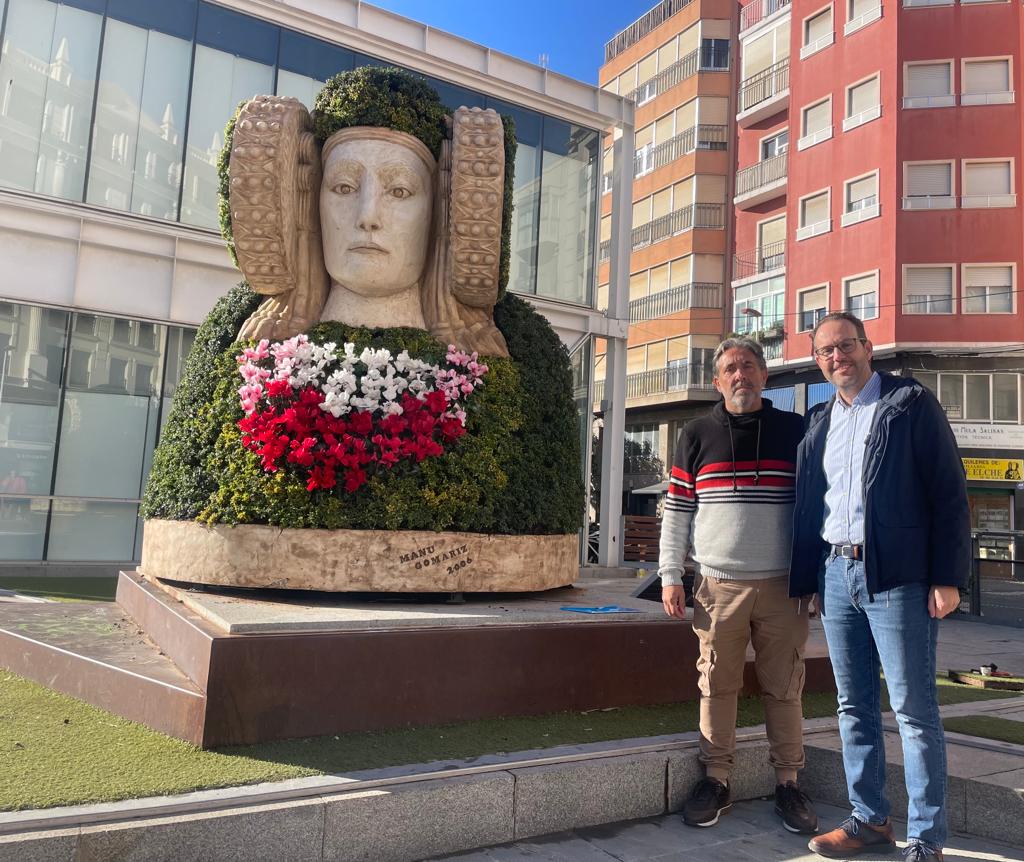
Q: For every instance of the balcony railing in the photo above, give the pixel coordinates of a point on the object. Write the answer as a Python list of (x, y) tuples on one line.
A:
[(704, 137), (763, 259), (660, 381), (699, 216), (703, 59), (754, 13), (684, 296), (764, 85), (762, 174), (642, 26)]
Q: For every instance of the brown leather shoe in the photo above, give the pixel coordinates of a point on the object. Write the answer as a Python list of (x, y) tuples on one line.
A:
[(852, 837)]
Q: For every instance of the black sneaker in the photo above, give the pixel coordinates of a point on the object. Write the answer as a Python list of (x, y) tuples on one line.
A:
[(795, 808), (708, 800)]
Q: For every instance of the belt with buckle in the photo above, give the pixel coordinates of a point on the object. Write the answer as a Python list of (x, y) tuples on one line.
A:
[(850, 552)]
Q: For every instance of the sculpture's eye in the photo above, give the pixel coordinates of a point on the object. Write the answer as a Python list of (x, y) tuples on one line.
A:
[(344, 189), (400, 193)]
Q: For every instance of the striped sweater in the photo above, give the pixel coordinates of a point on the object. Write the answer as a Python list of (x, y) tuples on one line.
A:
[(730, 496)]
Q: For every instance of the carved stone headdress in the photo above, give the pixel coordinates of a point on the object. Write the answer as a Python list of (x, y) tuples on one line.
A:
[(273, 213)]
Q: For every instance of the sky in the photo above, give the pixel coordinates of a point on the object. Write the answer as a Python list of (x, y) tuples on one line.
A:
[(571, 32)]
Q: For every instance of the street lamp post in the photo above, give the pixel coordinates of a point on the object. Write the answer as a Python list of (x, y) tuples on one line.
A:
[(753, 312)]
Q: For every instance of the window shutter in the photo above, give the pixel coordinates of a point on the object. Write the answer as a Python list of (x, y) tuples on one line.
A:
[(659, 278), (606, 228), (987, 178), (758, 54), (818, 117), (647, 68), (682, 193), (862, 7), (607, 161), (710, 189), (663, 129), (862, 189), (627, 81), (773, 231), (929, 281), (641, 212), (638, 285), (812, 299), (688, 40), (681, 268), (928, 79), (662, 203), (636, 359), (928, 180), (714, 111), (863, 285), (668, 54), (686, 116), (988, 276), (863, 96), (818, 26), (988, 76), (644, 137), (814, 210)]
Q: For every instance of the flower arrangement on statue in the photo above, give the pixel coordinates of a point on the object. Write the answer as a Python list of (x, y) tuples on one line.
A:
[(337, 417)]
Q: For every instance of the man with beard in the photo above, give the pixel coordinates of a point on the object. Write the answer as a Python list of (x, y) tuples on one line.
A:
[(732, 490), (882, 535)]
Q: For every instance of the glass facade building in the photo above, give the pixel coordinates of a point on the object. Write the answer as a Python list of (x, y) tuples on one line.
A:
[(112, 113)]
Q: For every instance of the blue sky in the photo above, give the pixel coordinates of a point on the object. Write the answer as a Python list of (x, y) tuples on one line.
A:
[(571, 32)]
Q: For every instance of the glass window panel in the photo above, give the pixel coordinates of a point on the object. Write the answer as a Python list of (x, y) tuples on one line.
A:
[(31, 360), (298, 86), (928, 379), (454, 97), (237, 34), (47, 79), (525, 197), (221, 81), (1004, 398), (978, 404), (109, 421), (92, 530), (22, 522), (173, 17), (311, 58), (951, 395), (138, 136)]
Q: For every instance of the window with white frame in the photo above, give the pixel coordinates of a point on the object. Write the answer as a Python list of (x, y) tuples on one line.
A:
[(988, 183), (862, 104), (988, 289), (771, 244), (814, 215), (812, 305), (860, 13), (986, 82), (860, 199), (776, 145), (644, 142), (815, 124), (1002, 398), (928, 185), (928, 290), (860, 295), (760, 305), (928, 85), (818, 33)]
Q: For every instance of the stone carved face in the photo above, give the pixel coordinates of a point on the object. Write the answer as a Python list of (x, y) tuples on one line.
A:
[(375, 211)]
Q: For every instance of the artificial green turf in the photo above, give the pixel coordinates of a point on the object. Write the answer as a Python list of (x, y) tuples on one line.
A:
[(81, 589), (987, 727), (55, 750)]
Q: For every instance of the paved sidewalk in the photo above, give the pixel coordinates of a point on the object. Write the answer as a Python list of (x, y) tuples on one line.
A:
[(751, 831)]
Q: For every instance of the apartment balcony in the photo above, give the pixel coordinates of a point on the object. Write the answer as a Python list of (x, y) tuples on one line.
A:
[(693, 217), (759, 11), (702, 137), (642, 26), (680, 298), (703, 59), (764, 260), (761, 182), (680, 381), (764, 94)]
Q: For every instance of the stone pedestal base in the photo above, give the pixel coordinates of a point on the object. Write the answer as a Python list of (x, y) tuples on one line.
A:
[(408, 561)]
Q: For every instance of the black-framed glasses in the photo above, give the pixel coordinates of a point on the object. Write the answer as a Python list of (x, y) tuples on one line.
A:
[(847, 345)]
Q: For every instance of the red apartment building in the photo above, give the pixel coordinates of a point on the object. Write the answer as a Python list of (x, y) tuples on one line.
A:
[(878, 157)]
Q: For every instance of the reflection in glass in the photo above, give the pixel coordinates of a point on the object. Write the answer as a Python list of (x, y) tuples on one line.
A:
[(140, 114), (525, 197), (47, 78), (221, 82), (92, 530), (31, 358), (568, 212), (110, 409), (302, 88)]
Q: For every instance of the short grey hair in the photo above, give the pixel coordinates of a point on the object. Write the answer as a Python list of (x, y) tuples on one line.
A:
[(740, 342)]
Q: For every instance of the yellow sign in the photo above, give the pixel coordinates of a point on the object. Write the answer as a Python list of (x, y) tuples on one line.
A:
[(998, 469)]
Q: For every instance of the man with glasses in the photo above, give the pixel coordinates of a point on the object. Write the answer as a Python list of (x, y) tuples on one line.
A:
[(882, 535), (730, 498)]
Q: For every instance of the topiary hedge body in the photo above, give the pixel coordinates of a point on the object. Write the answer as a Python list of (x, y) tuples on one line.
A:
[(516, 470)]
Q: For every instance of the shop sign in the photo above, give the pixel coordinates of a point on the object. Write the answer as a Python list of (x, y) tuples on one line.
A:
[(975, 435), (994, 469)]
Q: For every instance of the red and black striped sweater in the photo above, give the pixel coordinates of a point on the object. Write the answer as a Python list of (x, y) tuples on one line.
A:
[(731, 493)]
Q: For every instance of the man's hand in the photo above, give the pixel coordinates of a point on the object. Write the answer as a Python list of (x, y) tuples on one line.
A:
[(941, 601), (814, 606), (673, 599)]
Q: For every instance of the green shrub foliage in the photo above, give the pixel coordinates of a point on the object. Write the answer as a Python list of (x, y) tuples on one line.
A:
[(515, 471)]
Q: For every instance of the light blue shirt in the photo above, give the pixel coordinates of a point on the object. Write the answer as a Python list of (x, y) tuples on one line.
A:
[(849, 426)]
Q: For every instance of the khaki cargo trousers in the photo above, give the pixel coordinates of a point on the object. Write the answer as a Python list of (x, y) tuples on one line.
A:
[(727, 616)]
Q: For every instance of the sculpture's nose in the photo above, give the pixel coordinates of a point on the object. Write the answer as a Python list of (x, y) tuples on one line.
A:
[(369, 209)]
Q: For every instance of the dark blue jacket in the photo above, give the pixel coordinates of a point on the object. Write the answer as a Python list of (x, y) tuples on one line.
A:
[(916, 521)]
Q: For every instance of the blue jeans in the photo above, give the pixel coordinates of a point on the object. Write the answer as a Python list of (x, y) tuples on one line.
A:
[(894, 633)]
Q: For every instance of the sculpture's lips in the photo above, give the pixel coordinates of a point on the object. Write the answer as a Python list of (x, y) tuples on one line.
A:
[(368, 248)]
